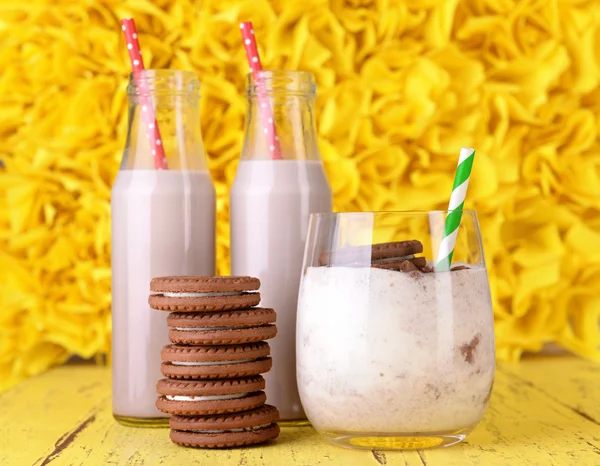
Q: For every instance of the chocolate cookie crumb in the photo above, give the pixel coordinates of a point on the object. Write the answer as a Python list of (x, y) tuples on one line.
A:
[(459, 267), (407, 266), (432, 388), (468, 349)]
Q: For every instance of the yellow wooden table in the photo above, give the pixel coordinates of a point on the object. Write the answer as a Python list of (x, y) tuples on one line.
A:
[(544, 411)]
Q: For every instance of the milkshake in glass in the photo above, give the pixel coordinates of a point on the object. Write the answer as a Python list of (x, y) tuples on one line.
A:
[(271, 201), (393, 356), (163, 223)]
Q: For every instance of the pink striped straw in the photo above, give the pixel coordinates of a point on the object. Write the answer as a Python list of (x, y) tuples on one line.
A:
[(135, 55), (266, 113)]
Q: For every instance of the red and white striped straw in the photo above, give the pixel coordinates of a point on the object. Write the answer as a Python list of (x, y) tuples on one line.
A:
[(135, 55), (266, 113)]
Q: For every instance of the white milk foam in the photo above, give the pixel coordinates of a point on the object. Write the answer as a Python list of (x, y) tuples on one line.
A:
[(385, 351)]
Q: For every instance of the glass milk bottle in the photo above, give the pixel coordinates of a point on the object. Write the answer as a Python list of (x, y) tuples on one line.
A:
[(279, 182), (163, 223)]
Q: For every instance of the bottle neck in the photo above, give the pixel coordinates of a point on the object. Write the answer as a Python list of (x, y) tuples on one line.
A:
[(280, 117), (164, 120)]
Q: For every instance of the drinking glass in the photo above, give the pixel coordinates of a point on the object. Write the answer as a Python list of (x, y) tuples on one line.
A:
[(393, 353)]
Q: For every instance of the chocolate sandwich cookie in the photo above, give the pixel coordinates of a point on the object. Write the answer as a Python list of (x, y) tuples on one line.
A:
[(228, 430), (194, 397), (401, 265), (200, 294), (377, 254), (222, 328), (215, 362)]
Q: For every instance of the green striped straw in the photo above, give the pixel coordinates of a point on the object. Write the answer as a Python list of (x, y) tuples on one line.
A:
[(457, 203)]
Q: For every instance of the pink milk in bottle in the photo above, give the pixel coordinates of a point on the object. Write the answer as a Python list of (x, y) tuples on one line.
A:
[(271, 200), (163, 223)]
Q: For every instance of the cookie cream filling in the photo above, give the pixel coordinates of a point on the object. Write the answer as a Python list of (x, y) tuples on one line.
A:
[(393, 259), (169, 294), (245, 429), (205, 398), (204, 329), (208, 363)]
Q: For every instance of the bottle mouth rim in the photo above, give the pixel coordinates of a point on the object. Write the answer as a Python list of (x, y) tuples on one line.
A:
[(400, 214), (163, 72), (300, 73), (290, 82), (163, 81)]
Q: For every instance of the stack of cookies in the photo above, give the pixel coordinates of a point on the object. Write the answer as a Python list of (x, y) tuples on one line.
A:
[(213, 388)]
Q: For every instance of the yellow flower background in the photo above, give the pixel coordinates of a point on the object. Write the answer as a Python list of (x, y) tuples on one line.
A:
[(402, 85)]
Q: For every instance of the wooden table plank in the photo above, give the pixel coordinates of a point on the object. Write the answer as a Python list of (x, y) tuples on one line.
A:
[(524, 426), (35, 413), (570, 381), (107, 442), (65, 416)]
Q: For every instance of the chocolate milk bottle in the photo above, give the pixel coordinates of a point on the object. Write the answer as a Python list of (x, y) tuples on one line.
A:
[(271, 199), (163, 223)]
